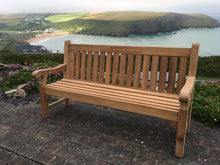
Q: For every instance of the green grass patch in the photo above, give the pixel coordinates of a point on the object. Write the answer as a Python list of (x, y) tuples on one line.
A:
[(8, 31), (64, 17)]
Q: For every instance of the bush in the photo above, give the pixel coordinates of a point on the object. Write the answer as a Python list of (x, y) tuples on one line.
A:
[(19, 74), (206, 103), (26, 59)]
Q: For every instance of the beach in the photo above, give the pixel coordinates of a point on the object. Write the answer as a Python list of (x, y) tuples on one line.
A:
[(43, 36)]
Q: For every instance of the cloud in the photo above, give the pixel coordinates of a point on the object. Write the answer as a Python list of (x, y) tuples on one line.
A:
[(74, 6)]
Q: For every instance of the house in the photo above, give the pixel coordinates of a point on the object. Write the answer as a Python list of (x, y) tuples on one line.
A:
[(31, 49)]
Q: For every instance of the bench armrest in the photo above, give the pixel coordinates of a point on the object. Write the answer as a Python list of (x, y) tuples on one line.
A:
[(39, 73), (186, 92)]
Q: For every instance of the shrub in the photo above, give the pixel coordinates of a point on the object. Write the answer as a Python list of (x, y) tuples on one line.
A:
[(206, 103), (19, 74)]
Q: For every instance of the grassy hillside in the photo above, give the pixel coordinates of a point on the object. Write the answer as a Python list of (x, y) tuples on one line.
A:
[(132, 22), (123, 15), (64, 17)]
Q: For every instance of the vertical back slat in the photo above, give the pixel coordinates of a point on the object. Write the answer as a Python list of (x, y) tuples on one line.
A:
[(83, 65), (145, 72), (193, 60), (66, 58), (182, 73), (163, 73), (108, 68), (138, 62), (130, 67), (115, 69), (95, 67), (89, 66), (77, 65), (172, 74), (122, 69), (101, 67), (154, 69), (72, 64)]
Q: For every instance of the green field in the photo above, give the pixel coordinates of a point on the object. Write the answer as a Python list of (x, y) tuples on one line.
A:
[(64, 17), (123, 15), (8, 31)]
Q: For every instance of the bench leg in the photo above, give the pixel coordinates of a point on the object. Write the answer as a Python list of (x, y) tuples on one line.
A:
[(68, 101), (189, 117), (181, 133), (44, 105)]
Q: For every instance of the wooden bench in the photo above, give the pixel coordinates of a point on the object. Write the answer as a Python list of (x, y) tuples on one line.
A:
[(110, 76)]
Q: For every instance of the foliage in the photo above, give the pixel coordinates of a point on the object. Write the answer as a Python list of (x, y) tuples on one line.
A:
[(19, 74), (26, 59), (206, 103), (209, 66)]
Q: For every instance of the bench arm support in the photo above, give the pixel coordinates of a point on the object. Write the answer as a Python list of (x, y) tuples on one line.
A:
[(186, 92), (44, 72)]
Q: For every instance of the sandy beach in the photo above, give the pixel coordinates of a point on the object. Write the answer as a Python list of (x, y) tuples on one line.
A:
[(43, 36)]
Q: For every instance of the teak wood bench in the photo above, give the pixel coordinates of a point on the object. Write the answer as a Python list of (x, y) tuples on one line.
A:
[(110, 76)]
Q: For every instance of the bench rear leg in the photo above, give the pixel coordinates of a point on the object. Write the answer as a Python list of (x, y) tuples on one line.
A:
[(181, 133), (44, 105), (68, 101)]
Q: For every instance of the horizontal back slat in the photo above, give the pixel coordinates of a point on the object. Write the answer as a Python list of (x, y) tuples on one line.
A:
[(160, 51)]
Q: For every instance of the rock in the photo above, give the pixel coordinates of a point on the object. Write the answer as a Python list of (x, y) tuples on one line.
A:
[(2, 65), (19, 93), (21, 86), (10, 93)]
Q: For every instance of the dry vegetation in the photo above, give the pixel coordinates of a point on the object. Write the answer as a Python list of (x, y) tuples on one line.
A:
[(123, 16)]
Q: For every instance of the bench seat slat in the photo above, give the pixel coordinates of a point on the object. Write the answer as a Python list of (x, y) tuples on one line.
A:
[(147, 94), (168, 103), (113, 102), (174, 96)]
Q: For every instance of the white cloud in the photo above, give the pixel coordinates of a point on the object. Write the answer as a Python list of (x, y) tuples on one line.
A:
[(73, 6)]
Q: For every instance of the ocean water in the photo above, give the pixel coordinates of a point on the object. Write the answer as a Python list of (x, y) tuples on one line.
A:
[(209, 39)]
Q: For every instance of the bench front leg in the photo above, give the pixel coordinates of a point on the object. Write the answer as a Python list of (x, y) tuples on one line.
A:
[(181, 129), (44, 97)]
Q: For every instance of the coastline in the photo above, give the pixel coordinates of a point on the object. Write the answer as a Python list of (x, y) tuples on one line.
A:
[(43, 36)]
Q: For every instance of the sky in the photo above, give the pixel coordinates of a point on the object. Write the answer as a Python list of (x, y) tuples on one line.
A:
[(79, 6)]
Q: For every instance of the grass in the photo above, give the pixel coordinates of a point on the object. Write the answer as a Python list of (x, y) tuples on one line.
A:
[(208, 78), (123, 15), (8, 31), (64, 17)]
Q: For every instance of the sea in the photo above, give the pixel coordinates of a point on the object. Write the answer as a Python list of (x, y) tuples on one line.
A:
[(209, 39)]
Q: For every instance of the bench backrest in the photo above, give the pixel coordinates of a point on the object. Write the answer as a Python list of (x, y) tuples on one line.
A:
[(129, 66)]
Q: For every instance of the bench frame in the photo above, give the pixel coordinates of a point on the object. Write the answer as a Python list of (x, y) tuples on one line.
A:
[(185, 96)]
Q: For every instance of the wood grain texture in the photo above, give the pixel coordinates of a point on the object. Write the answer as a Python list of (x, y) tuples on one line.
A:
[(137, 71), (89, 66), (122, 69), (163, 73), (95, 67), (72, 65), (182, 73), (83, 66), (115, 69), (158, 51), (66, 58), (154, 69), (172, 75), (108, 68), (193, 60), (145, 72), (130, 67), (77, 69), (102, 67)]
